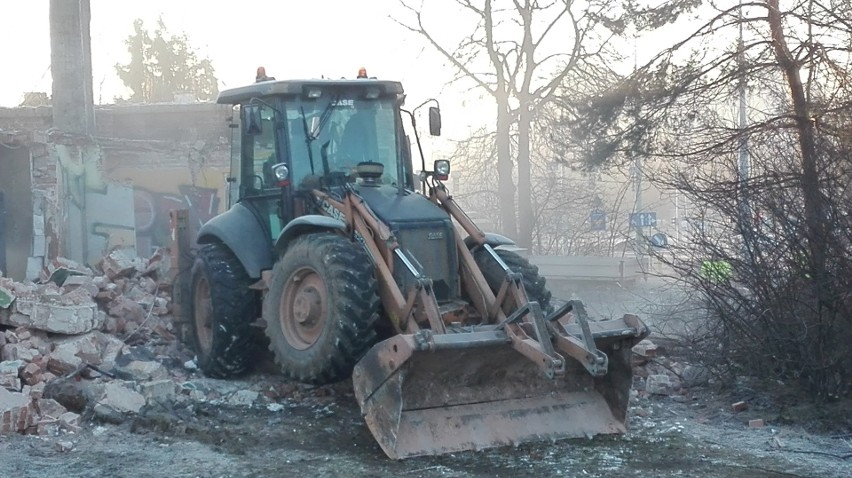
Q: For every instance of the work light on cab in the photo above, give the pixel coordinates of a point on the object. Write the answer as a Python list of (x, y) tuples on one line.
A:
[(281, 173), (442, 169)]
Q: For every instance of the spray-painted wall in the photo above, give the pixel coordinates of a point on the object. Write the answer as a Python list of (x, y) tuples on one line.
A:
[(86, 192)]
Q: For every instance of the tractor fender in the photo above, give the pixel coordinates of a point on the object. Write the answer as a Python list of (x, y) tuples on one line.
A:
[(303, 225), (240, 230), (491, 238)]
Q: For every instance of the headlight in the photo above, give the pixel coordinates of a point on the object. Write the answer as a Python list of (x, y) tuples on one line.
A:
[(442, 169), (280, 172)]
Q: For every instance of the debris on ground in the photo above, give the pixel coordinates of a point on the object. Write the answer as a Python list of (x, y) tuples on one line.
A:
[(99, 344), (84, 340), (756, 423)]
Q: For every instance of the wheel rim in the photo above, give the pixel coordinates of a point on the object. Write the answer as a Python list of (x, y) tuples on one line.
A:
[(302, 310), (203, 316)]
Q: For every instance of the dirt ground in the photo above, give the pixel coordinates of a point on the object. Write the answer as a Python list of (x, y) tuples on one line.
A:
[(319, 432), (322, 434)]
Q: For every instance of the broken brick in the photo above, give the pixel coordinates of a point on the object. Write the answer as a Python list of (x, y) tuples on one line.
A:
[(126, 309), (659, 384), (118, 399), (10, 382), (643, 352), (37, 391), (739, 406), (756, 423), (16, 413), (117, 264), (31, 374), (70, 421), (63, 361), (19, 352), (49, 408)]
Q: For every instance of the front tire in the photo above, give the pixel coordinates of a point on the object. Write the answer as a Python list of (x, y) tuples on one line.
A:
[(534, 284), (223, 308), (322, 308)]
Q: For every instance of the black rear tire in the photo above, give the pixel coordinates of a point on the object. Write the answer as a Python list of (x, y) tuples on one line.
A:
[(222, 310), (534, 284), (322, 308)]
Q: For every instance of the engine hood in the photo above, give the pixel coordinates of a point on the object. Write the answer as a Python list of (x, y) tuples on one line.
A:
[(393, 208)]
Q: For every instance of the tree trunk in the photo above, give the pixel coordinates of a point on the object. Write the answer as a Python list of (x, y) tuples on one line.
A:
[(814, 217), (505, 185), (526, 213)]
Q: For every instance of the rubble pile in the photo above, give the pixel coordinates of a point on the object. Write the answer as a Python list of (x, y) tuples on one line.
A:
[(655, 374), (66, 343)]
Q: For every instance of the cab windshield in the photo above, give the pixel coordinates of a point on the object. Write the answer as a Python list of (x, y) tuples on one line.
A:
[(330, 135)]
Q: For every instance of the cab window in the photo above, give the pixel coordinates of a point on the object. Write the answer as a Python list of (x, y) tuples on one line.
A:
[(350, 130), (259, 152)]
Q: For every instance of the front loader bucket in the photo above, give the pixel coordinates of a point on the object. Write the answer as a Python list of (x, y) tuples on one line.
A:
[(473, 390)]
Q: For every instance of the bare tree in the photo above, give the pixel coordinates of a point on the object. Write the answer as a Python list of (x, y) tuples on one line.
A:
[(495, 83), (529, 48), (563, 196), (770, 249)]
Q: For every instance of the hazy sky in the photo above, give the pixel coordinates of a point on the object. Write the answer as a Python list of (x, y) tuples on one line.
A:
[(292, 39)]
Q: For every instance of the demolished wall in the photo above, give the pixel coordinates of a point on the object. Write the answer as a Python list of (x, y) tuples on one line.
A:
[(93, 194)]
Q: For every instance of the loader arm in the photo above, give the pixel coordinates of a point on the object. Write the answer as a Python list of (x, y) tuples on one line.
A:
[(417, 308)]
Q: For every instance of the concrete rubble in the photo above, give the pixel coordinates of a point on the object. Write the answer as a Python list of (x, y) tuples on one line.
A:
[(99, 344), (654, 373), (69, 344)]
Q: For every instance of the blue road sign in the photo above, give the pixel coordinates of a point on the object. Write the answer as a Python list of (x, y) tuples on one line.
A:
[(643, 219), (597, 220)]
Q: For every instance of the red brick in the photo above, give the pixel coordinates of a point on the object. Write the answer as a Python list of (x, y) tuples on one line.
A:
[(739, 406), (756, 423), (31, 374)]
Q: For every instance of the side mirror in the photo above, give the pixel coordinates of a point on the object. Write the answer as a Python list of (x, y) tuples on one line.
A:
[(252, 121), (434, 121), (406, 149), (314, 127)]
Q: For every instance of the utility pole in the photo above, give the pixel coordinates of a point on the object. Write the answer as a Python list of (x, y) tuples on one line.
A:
[(73, 115), (71, 66), (744, 161), (641, 244)]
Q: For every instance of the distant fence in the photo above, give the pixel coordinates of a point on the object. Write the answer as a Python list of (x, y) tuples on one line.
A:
[(588, 268)]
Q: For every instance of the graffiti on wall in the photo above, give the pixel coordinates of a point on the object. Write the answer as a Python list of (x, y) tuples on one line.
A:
[(152, 212)]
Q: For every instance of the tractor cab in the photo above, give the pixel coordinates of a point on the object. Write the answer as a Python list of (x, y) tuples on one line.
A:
[(292, 137)]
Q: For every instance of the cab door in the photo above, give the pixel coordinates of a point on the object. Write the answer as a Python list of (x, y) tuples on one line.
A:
[(261, 148)]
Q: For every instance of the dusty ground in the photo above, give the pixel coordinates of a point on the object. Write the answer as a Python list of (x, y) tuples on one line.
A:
[(319, 432), (325, 436)]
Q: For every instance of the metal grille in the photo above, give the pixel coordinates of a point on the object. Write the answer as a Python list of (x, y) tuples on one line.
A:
[(431, 245)]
